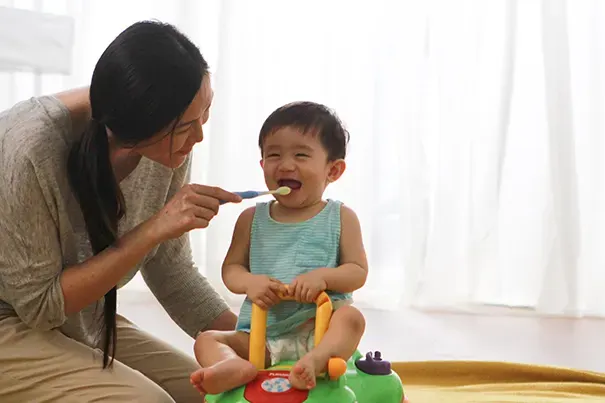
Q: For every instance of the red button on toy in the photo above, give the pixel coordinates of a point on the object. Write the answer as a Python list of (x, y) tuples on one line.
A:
[(273, 387)]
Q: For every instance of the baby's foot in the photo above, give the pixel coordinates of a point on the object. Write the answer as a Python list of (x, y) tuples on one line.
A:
[(223, 376), (197, 378), (302, 375)]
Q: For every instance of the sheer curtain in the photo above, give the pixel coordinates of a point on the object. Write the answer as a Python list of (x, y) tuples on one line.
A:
[(477, 156)]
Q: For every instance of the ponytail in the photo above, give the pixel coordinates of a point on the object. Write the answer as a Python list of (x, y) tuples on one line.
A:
[(136, 102), (95, 186)]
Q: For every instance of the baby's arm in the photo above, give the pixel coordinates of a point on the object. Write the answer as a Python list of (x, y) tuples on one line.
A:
[(260, 289), (353, 270), (235, 271)]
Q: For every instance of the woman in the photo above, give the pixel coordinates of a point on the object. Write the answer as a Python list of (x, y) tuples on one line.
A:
[(93, 187)]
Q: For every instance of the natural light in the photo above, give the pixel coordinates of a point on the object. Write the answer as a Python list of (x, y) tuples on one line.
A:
[(476, 155)]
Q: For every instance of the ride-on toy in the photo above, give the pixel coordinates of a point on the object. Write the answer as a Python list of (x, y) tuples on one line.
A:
[(359, 380)]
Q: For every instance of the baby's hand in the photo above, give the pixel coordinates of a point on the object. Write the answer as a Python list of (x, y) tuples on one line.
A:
[(263, 290), (306, 287)]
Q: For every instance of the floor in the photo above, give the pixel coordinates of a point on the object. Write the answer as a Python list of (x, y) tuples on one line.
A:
[(417, 336)]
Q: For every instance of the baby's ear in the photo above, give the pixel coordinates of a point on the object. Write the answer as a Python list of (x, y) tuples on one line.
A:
[(262, 163), (337, 168)]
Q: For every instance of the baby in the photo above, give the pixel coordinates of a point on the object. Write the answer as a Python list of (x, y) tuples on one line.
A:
[(301, 240)]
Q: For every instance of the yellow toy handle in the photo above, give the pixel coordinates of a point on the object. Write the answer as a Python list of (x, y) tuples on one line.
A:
[(258, 332)]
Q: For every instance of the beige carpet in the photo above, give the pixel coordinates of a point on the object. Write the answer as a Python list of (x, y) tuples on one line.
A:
[(475, 381)]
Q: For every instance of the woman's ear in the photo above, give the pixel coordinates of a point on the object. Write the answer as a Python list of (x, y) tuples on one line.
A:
[(336, 169)]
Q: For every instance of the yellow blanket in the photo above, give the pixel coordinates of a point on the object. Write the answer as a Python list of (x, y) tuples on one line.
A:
[(476, 381)]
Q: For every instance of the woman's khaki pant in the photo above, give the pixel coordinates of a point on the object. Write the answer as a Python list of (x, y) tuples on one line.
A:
[(47, 366)]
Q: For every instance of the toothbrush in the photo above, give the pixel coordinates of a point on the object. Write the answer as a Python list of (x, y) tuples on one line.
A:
[(250, 194)]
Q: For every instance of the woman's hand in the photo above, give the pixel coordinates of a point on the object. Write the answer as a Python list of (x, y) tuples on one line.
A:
[(193, 207), (264, 290)]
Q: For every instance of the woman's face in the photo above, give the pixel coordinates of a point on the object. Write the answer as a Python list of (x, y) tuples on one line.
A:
[(187, 132)]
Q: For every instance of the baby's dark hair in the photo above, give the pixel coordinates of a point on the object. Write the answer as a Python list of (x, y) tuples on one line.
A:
[(309, 117)]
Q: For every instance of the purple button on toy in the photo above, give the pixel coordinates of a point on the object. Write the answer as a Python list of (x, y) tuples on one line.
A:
[(374, 365)]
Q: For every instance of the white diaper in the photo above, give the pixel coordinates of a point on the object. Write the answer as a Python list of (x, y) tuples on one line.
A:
[(293, 346)]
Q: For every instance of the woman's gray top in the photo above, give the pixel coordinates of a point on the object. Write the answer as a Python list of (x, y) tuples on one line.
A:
[(42, 229)]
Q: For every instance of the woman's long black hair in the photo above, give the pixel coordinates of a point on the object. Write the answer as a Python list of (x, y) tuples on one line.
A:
[(143, 82)]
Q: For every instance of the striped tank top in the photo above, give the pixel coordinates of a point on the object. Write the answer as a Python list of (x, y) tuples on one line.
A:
[(286, 250)]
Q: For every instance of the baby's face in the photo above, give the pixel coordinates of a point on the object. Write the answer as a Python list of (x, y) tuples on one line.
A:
[(299, 161)]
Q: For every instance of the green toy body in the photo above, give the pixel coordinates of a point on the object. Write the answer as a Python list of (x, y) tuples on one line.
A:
[(365, 381)]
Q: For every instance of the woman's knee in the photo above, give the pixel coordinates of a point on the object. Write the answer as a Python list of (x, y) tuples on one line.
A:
[(65, 369)]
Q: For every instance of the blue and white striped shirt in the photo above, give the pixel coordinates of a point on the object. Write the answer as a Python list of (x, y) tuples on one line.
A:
[(286, 250)]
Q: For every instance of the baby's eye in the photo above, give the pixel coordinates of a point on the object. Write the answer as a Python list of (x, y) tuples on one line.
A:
[(302, 155), (272, 155)]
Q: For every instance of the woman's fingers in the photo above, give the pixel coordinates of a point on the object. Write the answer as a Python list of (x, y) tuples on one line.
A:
[(216, 193), (194, 206), (200, 200), (203, 213)]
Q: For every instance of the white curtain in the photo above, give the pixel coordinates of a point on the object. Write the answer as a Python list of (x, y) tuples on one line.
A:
[(477, 158)]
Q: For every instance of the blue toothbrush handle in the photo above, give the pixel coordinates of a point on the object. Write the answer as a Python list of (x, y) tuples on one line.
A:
[(248, 194)]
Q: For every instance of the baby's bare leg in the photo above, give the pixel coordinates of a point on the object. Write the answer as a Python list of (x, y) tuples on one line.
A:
[(223, 357), (341, 340)]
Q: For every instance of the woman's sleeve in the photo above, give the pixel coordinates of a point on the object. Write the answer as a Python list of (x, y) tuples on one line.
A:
[(176, 282), (30, 251)]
